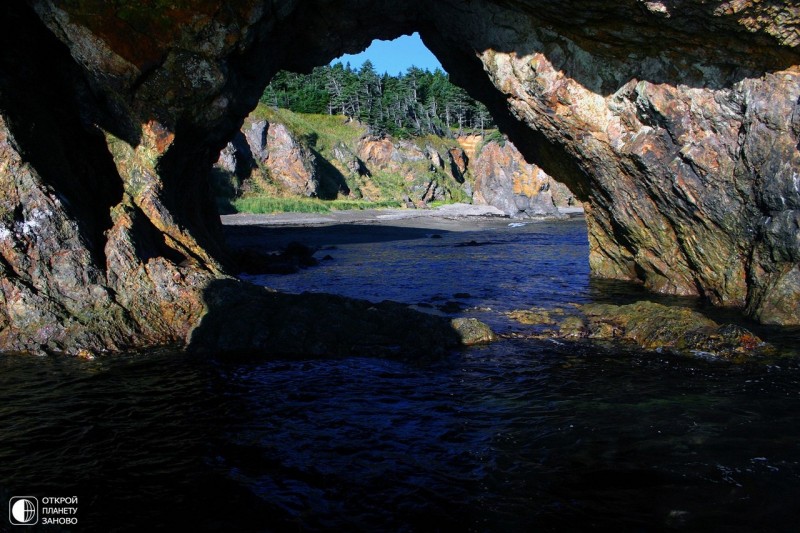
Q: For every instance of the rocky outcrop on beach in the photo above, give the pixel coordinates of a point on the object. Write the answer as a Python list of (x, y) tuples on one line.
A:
[(675, 122), (505, 180), (278, 158), (421, 168)]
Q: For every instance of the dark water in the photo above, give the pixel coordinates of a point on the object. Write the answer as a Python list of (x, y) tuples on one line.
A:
[(519, 436)]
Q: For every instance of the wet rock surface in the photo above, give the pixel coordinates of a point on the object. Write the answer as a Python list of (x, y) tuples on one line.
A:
[(676, 123), (646, 325), (473, 332)]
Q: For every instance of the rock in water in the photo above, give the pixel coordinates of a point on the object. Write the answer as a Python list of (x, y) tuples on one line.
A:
[(472, 331), (648, 325)]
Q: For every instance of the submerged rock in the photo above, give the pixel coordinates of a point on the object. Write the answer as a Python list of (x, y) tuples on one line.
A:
[(472, 331), (294, 257), (649, 326), (532, 316), (245, 319)]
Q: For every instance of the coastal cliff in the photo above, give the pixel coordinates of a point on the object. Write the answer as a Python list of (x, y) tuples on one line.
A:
[(675, 122), (279, 153)]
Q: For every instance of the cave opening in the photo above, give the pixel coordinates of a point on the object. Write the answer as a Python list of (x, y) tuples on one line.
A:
[(677, 123), (414, 141), (350, 135), (653, 137)]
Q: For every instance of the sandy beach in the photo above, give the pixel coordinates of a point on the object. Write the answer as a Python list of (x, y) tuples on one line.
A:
[(440, 217), (274, 232)]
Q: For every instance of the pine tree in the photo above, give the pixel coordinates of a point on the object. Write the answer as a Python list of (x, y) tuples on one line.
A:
[(417, 102)]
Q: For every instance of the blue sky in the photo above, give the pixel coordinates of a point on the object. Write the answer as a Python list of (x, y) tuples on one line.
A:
[(394, 56)]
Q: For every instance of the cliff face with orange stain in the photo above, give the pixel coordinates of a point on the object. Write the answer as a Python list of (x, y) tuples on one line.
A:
[(675, 121), (687, 164), (270, 157), (520, 189)]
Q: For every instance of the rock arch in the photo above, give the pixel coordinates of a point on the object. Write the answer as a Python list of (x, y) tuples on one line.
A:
[(677, 120)]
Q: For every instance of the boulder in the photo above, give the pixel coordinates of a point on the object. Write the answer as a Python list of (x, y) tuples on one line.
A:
[(472, 331), (505, 180)]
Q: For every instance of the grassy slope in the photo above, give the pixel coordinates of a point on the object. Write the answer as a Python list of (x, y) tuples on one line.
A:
[(321, 133)]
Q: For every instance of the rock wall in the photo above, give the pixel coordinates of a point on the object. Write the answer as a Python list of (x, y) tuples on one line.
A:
[(675, 120), (504, 179), (678, 127), (279, 159)]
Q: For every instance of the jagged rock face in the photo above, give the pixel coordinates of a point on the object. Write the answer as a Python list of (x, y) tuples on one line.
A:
[(270, 149), (675, 120), (458, 163), (688, 164), (414, 164), (268, 157), (384, 154), (349, 161), (505, 180), (289, 162)]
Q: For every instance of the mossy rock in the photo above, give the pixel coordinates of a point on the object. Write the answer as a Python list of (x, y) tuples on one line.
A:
[(654, 326), (573, 327), (534, 316), (472, 331)]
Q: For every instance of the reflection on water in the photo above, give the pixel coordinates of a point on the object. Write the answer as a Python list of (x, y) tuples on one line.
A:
[(519, 435)]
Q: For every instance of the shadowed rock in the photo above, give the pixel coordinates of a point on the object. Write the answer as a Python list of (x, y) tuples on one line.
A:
[(245, 319)]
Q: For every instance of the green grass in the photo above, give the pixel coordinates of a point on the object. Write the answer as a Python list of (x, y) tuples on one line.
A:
[(321, 132), (265, 205), (344, 205)]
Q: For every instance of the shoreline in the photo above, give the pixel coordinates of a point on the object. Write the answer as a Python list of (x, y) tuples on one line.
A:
[(423, 217)]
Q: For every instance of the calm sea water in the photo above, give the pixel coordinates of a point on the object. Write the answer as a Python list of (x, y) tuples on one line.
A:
[(517, 436)]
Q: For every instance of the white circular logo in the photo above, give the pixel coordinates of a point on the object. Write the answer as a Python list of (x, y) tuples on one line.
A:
[(23, 511)]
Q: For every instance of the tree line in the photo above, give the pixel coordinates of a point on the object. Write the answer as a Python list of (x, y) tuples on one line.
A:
[(415, 103)]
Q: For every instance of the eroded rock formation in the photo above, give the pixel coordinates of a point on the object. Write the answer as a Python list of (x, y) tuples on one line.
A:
[(675, 120), (520, 189), (289, 165), (679, 130)]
